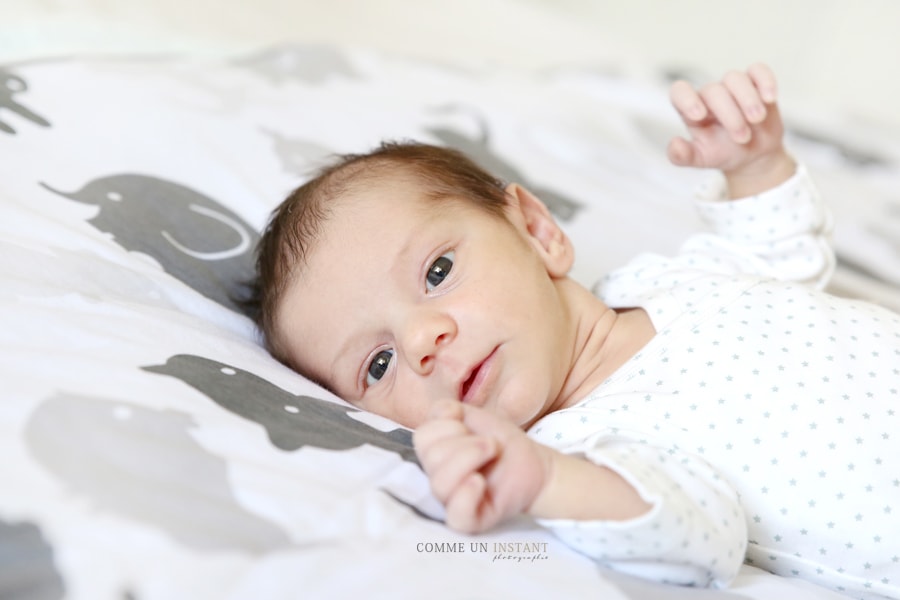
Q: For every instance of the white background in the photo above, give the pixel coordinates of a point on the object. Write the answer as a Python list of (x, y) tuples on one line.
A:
[(833, 54)]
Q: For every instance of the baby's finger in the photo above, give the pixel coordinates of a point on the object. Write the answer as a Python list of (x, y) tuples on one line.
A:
[(436, 430), (466, 509), (446, 409), (486, 423), (687, 101), (453, 461), (456, 447), (724, 107), (681, 153), (744, 91), (444, 418), (764, 80)]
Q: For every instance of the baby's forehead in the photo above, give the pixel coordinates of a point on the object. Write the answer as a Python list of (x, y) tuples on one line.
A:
[(366, 206), (397, 193), (398, 179), (363, 230)]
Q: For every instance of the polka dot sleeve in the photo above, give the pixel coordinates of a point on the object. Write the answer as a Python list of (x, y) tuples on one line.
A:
[(695, 534), (782, 234), (787, 227)]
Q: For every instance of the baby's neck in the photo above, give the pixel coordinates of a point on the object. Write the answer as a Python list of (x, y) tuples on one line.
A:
[(605, 340)]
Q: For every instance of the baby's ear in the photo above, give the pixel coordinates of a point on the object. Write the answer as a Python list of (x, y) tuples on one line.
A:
[(526, 211)]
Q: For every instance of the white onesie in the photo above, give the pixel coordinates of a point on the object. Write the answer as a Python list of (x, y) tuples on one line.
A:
[(761, 422)]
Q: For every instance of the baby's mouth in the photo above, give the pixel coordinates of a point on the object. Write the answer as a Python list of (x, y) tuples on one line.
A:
[(475, 385), (468, 382)]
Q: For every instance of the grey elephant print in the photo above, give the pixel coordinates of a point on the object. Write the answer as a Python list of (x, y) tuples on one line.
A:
[(13, 85), (192, 236)]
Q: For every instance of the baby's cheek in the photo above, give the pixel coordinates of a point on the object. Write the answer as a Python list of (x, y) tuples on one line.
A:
[(519, 406), (412, 414)]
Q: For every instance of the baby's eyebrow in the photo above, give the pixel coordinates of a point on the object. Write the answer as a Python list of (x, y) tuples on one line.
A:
[(398, 262)]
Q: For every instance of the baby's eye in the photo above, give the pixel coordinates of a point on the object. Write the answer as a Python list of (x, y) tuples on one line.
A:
[(379, 366), (439, 270)]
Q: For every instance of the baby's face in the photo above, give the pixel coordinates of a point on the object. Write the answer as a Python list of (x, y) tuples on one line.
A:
[(405, 301)]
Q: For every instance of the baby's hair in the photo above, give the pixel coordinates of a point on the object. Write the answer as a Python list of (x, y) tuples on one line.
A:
[(296, 223)]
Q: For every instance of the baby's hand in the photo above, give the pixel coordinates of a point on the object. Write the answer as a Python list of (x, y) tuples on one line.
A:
[(734, 125), (482, 468)]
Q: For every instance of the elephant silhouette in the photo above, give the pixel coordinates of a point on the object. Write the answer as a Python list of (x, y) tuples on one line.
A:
[(192, 236)]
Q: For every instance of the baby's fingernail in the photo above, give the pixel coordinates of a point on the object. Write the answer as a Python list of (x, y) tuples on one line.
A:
[(768, 94)]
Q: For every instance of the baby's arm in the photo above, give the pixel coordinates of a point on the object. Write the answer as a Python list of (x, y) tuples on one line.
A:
[(674, 519), (778, 227), (485, 469), (734, 126)]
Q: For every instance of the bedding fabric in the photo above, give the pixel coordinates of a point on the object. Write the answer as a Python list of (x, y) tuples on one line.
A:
[(152, 449)]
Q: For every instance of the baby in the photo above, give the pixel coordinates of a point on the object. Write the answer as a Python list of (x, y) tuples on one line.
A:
[(687, 415)]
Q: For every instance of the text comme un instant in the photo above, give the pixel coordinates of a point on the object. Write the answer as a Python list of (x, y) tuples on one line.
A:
[(496, 547)]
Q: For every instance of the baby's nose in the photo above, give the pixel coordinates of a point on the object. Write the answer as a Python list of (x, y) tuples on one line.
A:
[(424, 339)]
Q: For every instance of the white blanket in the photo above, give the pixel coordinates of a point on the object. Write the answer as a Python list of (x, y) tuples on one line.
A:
[(152, 449)]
